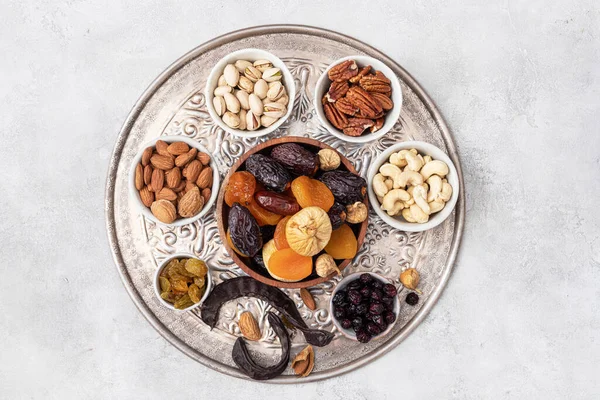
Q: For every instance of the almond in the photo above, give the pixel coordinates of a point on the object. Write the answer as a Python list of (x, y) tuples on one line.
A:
[(249, 327), (146, 196), (164, 211), (180, 187), (308, 299), (204, 158), (173, 177), (191, 203), (205, 179), (177, 148), (206, 192), (162, 162), (162, 148), (146, 156), (139, 177), (166, 194), (183, 159), (147, 174), (158, 180), (192, 170), (189, 185)]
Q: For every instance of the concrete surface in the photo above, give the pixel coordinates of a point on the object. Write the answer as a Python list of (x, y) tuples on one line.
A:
[(517, 81)]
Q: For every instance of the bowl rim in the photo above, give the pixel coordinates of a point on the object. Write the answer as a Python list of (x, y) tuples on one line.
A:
[(217, 70), (156, 284), (393, 115), (437, 154), (134, 193), (221, 204), (349, 333)]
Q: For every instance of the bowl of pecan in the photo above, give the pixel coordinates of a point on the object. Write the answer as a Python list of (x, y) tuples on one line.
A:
[(358, 99)]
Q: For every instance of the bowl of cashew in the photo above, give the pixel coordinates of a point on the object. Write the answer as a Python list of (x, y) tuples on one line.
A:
[(413, 186)]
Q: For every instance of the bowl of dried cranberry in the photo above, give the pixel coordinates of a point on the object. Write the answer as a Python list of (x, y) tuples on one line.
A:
[(364, 306)]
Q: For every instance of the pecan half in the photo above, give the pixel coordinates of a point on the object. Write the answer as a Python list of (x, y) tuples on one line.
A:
[(366, 104), (333, 115), (356, 126), (385, 102), (343, 71), (378, 125), (376, 83), (346, 107), (337, 90), (363, 71)]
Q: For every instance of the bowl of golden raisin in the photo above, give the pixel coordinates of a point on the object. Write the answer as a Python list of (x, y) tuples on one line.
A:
[(292, 212)]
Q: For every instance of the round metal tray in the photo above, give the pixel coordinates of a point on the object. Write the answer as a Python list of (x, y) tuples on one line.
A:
[(174, 105)]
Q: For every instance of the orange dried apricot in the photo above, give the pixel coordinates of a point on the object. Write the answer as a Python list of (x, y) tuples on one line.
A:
[(240, 188), (342, 244), (288, 266), (262, 216), (311, 192), (279, 237)]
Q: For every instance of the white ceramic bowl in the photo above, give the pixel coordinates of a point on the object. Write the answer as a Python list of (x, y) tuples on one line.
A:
[(133, 192), (349, 333), (165, 303), (398, 221), (249, 55), (390, 118)]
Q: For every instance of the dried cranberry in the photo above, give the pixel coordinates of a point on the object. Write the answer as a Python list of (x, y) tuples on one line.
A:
[(350, 309), (376, 295), (357, 323), (366, 278), (376, 308), (412, 298), (376, 284), (388, 302), (378, 319), (365, 292), (361, 309), (356, 284), (354, 296), (339, 313), (373, 329), (339, 298), (389, 317), (346, 323), (390, 290), (363, 336)]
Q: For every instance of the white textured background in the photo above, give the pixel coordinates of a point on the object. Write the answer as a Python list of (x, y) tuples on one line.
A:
[(518, 82)]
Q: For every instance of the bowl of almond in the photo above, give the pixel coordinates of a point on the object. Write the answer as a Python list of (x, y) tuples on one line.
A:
[(358, 99), (174, 180)]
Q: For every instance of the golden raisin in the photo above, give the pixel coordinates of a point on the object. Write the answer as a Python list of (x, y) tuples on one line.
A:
[(342, 244), (240, 188), (311, 192)]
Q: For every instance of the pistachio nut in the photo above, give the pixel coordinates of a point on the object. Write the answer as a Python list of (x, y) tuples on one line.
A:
[(256, 104), (222, 81), (274, 110), (283, 100), (246, 84), (219, 105), (252, 121), (272, 75), (252, 73), (275, 91), (242, 116), (261, 88), (221, 90), (267, 121), (242, 97), (241, 65), (232, 75), (231, 119), (233, 104), (263, 65)]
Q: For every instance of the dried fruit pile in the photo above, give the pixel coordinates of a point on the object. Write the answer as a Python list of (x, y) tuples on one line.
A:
[(183, 282), (358, 98), (290, 212), (174, 180)]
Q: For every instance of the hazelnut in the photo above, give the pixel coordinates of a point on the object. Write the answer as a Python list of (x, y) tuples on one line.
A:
[(356, 213), (329, 159), (325, 265), (410, 278)]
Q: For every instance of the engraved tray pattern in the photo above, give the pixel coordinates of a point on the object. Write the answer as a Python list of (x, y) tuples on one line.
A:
[(175, 105)]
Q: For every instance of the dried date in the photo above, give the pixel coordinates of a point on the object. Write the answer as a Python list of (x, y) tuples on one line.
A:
[(277, 203), (244, 230), (346, 187), (337, 215), (296, 158), (269, 172)]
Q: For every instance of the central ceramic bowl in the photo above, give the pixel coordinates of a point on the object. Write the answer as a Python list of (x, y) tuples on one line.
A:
[(246, 264)]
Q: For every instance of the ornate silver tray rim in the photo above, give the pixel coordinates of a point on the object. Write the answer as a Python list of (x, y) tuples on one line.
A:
[(162, 78)]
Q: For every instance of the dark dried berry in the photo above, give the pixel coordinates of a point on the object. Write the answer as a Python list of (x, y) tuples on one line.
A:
[(339, 298), (363, 336), (339, 313), (356, 284), (354, 296), (412, 298), (365, 292), (389, 290), (376, 295), (337, 215), (389, 317), (350, 309), (346, 187), (378, 319), (244, 231), (366, 278), (346, 323), (377, 284), (296, 158), (269, 172), (376, 308), (362, 309), (373, 329), (388, 302), (357, 323)]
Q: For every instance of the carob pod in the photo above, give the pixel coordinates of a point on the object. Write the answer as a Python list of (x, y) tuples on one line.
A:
[(337, 215), (346, 187), (269, 172), (296, 158), (246, 286), (277, 203), (241, 355), (244, 230)]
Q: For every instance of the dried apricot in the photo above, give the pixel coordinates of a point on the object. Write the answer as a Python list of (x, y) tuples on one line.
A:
[(288, 266), (280, 238), (240, 188), (342, 244), (311, 192), (262, 216)]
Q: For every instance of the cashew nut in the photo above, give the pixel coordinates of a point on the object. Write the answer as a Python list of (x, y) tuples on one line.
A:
[(414, 162), (446, 191), (427, 159), (414, 151), (379, 186), (391, 171), (399, 158), (436, 205), (407, 215), (435, 187), (408, 177), (436, 167), (420, 196), (418, 214), (380, 199), (394, 200), (389, 183)]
